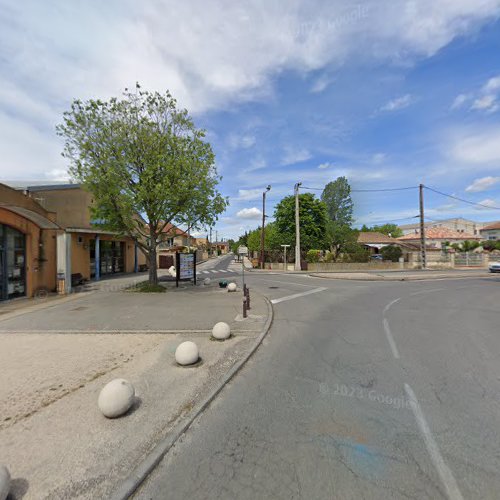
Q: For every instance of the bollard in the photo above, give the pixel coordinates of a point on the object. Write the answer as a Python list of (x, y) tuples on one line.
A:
[(244, 308), (245, 289), (248, 299)]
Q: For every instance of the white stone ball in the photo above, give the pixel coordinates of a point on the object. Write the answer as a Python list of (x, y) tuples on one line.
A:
[(116, 398), (4, 482), (187, 353), (206, 281), (221, 331), (231, 287)]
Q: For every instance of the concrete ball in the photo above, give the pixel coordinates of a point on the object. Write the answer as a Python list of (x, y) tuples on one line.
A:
[(206, 281), (231, 287), (187, 353), (116, 398), (4, 482), (221, 331)]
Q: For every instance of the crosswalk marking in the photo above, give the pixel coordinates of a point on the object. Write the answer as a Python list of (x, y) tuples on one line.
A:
[(214, 271), (223, 270), (205, 272)]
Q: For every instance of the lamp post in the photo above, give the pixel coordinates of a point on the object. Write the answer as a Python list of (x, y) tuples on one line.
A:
[(285, 267), (297, 227), (268, 188)]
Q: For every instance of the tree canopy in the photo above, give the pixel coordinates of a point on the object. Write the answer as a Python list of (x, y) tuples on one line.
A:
[(337, 198), (313, 220), (145, 163), (389, 229)]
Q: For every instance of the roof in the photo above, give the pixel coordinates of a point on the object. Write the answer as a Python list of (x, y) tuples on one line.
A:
[(38, 219), (439, 233), (170, 228), (52, 187), (495, 225), (371, 237)]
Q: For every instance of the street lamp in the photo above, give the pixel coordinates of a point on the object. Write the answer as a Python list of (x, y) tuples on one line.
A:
[(268, 188)]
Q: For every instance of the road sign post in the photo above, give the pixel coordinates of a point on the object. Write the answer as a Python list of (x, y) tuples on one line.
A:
[(242, 252)]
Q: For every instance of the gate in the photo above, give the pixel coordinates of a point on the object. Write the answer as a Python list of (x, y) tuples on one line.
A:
[(469, 259), (166, 261)]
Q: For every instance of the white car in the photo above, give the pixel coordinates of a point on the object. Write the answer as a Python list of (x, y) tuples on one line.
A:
[(495, 267)]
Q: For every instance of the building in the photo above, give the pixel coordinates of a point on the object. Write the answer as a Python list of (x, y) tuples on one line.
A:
[(458, 225), (491, 231), (47, 234), (435, 237)]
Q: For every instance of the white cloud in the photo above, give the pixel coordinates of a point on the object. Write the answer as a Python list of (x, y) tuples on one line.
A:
[(488, 202), (293, 156), (321, 84), (398, 103), (209, 58), (482, 184), (477, 148), (243, 141), (486, 102), (322, 166), (492, 85), (459, 101), (250, 194), (249, 213)]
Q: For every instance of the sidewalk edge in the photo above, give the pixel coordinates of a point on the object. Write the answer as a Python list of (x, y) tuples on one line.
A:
[(137, 477)]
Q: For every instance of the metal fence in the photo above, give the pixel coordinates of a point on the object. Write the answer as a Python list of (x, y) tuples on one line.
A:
[(469, 259)]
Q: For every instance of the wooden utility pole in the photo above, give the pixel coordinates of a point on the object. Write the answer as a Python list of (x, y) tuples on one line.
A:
[(423, 254), (297, 228)]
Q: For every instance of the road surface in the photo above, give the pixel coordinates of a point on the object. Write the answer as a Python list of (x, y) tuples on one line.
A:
[(360, 390)]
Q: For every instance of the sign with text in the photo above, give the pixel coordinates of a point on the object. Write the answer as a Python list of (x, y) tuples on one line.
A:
[(186, 267), (242, 250)]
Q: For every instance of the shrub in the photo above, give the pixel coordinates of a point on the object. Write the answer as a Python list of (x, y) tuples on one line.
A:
[(391, 252), (313, 256)]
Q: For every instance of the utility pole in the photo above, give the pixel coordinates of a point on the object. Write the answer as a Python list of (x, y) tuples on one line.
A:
[(423, 254), (210, 243), (262, 234), (297, 227), (216, 241)]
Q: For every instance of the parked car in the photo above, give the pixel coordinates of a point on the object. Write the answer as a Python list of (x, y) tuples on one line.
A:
[(495, 267), (376, 256)]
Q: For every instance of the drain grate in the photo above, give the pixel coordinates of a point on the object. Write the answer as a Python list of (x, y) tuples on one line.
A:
[(274, 287)]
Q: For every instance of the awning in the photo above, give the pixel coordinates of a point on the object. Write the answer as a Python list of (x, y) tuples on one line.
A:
[(38, 219)]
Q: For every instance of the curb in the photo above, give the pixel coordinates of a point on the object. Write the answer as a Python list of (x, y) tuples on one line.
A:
[(404, 278), (142, 471)]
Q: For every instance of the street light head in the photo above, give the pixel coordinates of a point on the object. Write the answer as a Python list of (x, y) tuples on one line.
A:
[(268, 188)]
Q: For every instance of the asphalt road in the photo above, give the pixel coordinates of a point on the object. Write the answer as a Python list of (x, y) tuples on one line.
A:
[(361, 390)]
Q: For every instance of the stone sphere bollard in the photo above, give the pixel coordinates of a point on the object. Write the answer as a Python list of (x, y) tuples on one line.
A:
[(231, 287), (221, 331), (4, 482), (187, 353), (206, 281), (116, 398)]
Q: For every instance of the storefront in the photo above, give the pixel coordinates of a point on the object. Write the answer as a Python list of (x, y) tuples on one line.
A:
[(12, 263)]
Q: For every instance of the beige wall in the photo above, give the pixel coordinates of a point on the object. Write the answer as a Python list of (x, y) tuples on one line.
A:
[(71, 205)]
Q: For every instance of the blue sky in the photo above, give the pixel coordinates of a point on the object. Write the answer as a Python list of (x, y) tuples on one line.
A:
[(388, 93)]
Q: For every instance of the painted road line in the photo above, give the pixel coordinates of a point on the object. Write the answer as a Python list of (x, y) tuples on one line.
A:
[(390, 304), (206, 272), (298, 295), (214, 271), (427, 291), (223, 270), (443, 470), (390, 339), (288, 283)]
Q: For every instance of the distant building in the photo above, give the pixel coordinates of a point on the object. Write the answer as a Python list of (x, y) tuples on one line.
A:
[(458, 224), (436, 236), (491, 231)]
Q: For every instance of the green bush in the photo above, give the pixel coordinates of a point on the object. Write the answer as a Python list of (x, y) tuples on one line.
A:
[(313, 256), (354, 252), (392, 253)]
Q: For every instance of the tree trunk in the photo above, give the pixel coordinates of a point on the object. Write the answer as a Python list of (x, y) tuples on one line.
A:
[(153, 266)]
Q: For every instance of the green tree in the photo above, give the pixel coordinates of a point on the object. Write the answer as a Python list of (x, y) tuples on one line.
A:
[(145, 163), (337, 198), (313, 219), (271, 238), (339, 237), (389, 229), (391, 252)]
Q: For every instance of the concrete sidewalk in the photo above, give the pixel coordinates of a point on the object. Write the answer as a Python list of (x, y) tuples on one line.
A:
[(53, 438), (404, 275)]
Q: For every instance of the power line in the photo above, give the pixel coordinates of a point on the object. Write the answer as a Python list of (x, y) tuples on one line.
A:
[(367, 190), (461, 199)]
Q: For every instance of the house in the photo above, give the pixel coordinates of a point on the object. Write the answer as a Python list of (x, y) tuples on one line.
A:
[(435, 237), (47, 235), (375, 241), (458, 224), (491, 231)]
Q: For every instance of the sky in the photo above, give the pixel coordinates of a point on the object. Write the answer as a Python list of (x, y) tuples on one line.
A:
[(388, 93)]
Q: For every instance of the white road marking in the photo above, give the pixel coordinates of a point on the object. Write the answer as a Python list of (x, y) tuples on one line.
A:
[(223, 270), (390, 339), (297, 295), (205, 272), (428, 291), (443, 470), (390, 304), (214, 271)]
